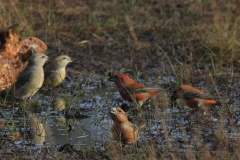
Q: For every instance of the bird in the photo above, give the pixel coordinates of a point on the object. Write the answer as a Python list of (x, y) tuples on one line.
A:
[(133, 91), (31, 78), (55, 71), (194, 98), (125, 131)]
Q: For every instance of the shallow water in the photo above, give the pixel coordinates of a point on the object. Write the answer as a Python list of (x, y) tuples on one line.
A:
[(89, 124), (85, 132)]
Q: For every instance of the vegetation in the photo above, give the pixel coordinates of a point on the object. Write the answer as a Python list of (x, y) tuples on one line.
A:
[(160, 43)]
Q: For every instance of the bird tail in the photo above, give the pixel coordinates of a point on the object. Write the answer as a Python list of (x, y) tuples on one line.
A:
[(141, 126), (229, 102), (219, 103)]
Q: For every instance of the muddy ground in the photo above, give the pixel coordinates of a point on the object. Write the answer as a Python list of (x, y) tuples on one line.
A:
[(157, 43)]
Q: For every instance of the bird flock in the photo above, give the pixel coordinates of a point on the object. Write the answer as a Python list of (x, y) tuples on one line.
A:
[(34, 76)]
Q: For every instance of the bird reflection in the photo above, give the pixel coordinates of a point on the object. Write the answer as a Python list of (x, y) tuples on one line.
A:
[(60, 120), (38, 132), (59, 104)]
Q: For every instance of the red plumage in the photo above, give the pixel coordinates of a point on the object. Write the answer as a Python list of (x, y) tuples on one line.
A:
[(133, 91), (193, 97)]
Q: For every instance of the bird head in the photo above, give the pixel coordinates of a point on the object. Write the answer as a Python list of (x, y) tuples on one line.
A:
[(37, 59), (61, 61), (118, 115), (177, 93), (120, 79)]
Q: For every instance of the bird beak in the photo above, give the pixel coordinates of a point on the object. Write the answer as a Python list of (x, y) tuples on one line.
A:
[(113, 111), (111, 76), (174, 96), (47, 58), (70, 59)]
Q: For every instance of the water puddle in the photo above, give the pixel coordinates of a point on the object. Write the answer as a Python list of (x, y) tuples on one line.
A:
[(86, 122)]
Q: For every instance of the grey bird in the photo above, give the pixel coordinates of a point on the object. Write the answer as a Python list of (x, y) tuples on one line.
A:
[(31, 78)]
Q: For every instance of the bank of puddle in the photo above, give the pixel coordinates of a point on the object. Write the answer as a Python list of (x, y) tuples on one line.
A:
[(86, 121)]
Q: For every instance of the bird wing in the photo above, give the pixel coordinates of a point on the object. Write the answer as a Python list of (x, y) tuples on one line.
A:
[(23, 78), (129, 126), (47, 73), (146, 90), (191, 95), (129, 89), (51, 70), (51, 67), (138, 89), (135, 128)]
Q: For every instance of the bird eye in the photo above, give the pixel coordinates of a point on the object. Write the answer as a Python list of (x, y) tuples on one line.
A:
[(180, 89), (115, 76), (64, 58), (43, 56)]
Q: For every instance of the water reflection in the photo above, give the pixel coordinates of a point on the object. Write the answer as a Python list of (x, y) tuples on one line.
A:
[(37, 129), (60, 120), (9, 131), (83, 122), (58, 104)]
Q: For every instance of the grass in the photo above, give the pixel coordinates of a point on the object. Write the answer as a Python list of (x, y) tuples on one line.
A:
[(131, 27), (176, 42)]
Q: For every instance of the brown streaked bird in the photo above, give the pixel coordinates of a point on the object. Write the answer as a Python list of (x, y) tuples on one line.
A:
[(125, 131), (133, 91), (194, 98), (55, 71)]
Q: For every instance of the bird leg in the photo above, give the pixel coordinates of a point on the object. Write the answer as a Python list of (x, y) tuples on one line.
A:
[(140, 103), (204, 113), (190, 114)]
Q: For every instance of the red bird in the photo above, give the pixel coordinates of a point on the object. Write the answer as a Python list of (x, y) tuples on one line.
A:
[(123, 129), (194, 98), (133, 91)]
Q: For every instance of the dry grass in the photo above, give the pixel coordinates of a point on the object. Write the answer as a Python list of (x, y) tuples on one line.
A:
[(188, 30), (139, 35)]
